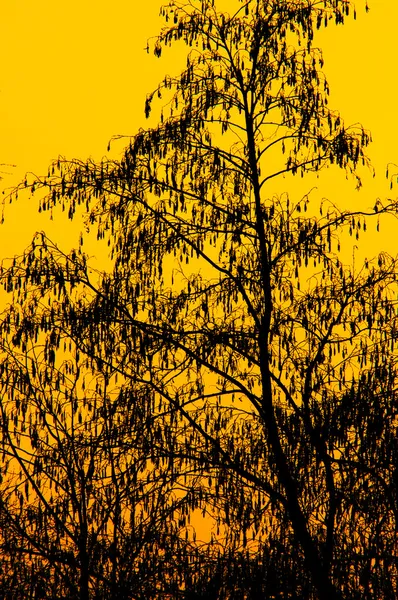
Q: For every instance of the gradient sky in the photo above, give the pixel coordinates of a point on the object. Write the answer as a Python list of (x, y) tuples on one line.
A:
[(75, 73)]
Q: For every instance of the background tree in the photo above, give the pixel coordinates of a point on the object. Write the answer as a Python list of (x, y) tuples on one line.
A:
[(89, 507), (271, 362)]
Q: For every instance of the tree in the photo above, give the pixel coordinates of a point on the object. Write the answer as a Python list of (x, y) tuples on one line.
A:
[(86, 511), (271, 362)]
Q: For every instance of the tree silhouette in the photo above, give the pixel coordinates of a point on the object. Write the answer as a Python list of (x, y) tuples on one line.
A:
[(268, 364), (86, 511)]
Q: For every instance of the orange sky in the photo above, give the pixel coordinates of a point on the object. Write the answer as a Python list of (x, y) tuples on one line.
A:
[(75, 73)]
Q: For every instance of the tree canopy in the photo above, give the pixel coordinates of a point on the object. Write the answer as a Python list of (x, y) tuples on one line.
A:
[(230, 360)]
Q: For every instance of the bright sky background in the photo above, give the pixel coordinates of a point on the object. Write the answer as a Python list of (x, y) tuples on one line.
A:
[(75, 73)]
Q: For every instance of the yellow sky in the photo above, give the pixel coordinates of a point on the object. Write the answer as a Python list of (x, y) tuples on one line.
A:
[(75, 73)]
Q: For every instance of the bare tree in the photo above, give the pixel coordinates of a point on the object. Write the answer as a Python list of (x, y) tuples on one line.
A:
[(270, 362)]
